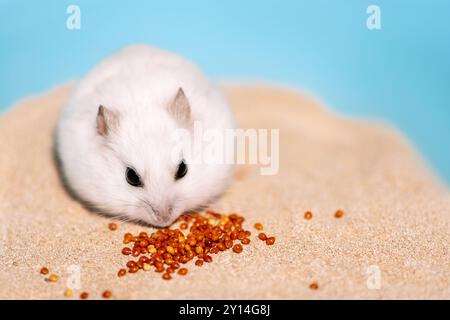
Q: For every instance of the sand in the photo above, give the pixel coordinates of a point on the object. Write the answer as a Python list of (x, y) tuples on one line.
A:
[(393, 241)]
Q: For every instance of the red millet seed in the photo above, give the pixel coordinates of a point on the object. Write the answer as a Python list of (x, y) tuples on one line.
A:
[(143, 235), (229, 244), (314, 286), (126, 251), (133, 269), (127, 238), (237, 248), (144, 259), (199, 263), (112, 226), (84, 295), (170, 270), (159, 269), (183, 226), (44, 270), (214, 250), (143, 244), (308, 215), (262, 236), (182, 271), (270, 241), (339, 214)]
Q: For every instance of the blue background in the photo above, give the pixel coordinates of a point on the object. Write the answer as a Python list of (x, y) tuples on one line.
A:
[(400, 74)]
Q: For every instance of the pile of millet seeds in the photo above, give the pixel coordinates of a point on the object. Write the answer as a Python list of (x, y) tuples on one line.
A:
[(198, 237)]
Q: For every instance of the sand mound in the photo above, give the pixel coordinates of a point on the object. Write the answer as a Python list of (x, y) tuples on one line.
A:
[(396, 215)]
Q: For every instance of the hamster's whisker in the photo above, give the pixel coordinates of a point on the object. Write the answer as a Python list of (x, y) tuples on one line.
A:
[(146, 202)]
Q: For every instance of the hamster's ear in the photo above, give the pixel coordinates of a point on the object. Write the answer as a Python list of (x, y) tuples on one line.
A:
[(180, 108), (107, 120)]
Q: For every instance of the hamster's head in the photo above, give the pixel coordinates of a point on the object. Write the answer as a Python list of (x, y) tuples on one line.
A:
[(150, 172)]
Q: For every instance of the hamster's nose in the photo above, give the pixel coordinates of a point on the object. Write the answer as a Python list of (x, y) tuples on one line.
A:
[(162, 213), (164, 216)]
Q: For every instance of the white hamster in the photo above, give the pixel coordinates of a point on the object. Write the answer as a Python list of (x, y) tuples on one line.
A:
[(114, 138)]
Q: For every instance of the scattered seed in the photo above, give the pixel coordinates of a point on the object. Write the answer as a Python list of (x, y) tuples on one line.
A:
[(270, 241), (159, 269), (144, 259), (106, 294), (143, 244), (183, 226), (151, 249), (308, 215), (127, 238), (199, 263), (314, 286), (68, 293), (262, 236), (237, 248), (112, 226), (53, 278), (170, 270), (126, 251), (84, 295), (339, 214), (170, 250), (214, 250), (121, 272), (44, 270), (245, 241), (133, 269), (259, 226), (229, 244), (147, 266), (166, 276), (182, 271), (143, 234)]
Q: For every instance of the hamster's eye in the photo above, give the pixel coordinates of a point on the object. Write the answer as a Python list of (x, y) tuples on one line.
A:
[(133, 178), (181, 171)]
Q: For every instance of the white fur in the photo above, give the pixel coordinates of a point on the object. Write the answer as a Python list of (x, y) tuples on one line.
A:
[(138, 83)]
